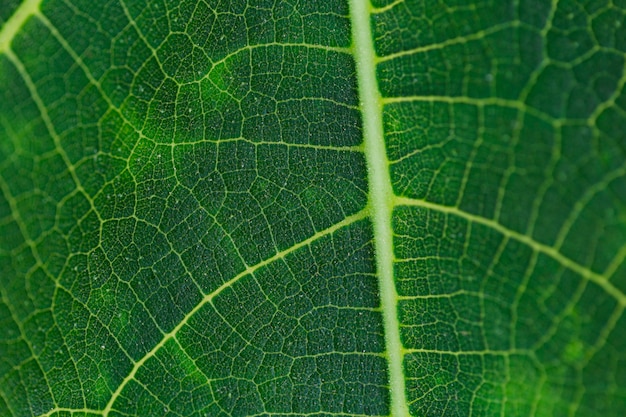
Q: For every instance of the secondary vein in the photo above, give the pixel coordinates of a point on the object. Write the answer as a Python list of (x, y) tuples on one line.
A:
[(208, 298), (380, 196), (16, 21)]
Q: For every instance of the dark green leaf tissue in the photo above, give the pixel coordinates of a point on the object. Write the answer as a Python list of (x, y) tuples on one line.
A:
[(323, 208)]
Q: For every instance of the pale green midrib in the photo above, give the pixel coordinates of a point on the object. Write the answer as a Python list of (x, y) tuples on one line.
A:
[(380, 196), (16, 21), (209, 297)]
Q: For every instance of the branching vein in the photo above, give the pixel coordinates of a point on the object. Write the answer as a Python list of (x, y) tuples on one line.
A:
[(381, 196)]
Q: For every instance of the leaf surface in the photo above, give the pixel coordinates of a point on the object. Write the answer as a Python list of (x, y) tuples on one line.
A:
[(231, 208)]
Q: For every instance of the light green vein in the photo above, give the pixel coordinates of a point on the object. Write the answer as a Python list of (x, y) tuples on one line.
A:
[(380, 196), (313, 414), (547, 250), (583, 202), (61, 410), (479, 102), (383, 9), (209, 297), (485, 352), (45, 117), (450, 42), (16, 21)]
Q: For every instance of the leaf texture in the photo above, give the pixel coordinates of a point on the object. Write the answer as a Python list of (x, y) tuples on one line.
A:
[(312, 208)]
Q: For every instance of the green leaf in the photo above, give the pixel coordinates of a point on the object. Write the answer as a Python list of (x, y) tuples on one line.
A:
[(323, 208)]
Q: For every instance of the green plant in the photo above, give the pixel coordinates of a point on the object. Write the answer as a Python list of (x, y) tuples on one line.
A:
[(283, 207)]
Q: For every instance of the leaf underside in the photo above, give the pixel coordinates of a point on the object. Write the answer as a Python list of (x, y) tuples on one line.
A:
[(189, 221)]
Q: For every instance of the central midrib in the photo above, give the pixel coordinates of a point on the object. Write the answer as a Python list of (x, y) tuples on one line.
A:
[(380, 196)]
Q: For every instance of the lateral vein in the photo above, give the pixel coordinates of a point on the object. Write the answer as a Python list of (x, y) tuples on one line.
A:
[(587, 273), (16, 21), (380, 196), (208, 298)]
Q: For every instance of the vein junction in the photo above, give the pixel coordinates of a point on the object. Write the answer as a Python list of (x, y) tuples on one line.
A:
[(380, 195), (16, 21)]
